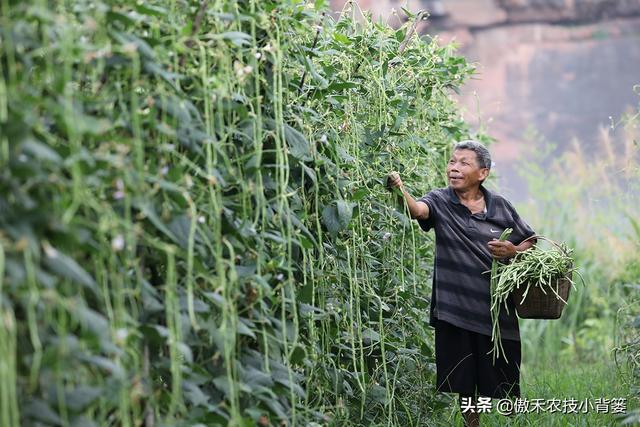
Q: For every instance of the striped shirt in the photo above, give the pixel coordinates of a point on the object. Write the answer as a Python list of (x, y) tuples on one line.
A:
[(461, 276)]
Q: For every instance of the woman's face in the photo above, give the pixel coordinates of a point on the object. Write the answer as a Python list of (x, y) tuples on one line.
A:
[(463, 171)]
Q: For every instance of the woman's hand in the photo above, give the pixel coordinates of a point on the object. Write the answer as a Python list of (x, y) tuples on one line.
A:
[(502, 249), (394, 181)]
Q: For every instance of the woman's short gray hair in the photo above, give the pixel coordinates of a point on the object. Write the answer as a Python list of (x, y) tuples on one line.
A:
[(483, 155)]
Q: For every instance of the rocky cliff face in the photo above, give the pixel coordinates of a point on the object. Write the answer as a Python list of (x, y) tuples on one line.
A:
[(567, 10), (474, 13), (563, 68), (447, 14)]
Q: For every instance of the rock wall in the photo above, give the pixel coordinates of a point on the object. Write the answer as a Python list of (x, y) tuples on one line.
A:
[(478, 13), (448, 14), (567, 10)]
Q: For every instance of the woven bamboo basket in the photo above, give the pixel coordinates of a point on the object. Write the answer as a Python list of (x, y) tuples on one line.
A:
[(542, 303)]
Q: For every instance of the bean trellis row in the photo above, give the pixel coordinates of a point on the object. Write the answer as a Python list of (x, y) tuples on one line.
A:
[(191, 233)]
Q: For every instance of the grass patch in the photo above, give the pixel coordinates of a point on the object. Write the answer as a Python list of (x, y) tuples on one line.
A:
[(563, 379)]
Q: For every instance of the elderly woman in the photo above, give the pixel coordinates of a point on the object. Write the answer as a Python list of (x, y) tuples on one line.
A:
[(468, 219)]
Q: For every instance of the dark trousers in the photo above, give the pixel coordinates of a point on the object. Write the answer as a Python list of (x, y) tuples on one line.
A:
[(463, 365)]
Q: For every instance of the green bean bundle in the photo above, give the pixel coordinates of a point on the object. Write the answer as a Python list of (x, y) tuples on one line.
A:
[(495, 333), (533, 267)]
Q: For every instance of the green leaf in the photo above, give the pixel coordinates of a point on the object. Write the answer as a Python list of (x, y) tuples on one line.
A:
[(180, 226), (371, 335), (340, 86), (341, 38), (306, 242), (359, 194), (186, 352), (91, 319), (299, 147), (345, 212), (40, 151), (104, 363), (402, 115), (148, 211), (238, 38), (255, 377), (67, 267), (157, 70), (276, 407), (222, 384), (194, 394), (82, 421), (142, 47), (310, 173), (322, 82), (346, 157), (81, 397), (244, 329), (151, 10), (187, 29), (330, 219), (89, 125), (293, 386), (337, 217), (150, 300), (41, 411), (378, 394), (407, 12)]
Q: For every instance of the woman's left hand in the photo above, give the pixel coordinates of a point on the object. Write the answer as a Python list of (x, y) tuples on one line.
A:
[(502, 249)]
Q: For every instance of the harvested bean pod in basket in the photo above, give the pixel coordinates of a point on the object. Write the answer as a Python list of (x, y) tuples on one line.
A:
[(538, 282)]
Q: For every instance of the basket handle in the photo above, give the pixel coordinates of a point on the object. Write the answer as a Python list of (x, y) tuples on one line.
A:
[(535, 236)]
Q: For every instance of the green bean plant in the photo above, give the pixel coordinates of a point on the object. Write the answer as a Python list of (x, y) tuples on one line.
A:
[(194, 228)]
